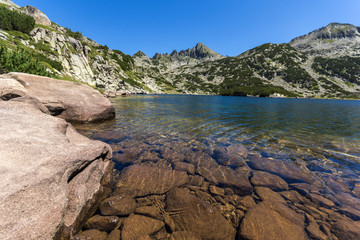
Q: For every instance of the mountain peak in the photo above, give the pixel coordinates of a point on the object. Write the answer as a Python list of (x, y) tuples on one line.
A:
[(331, 31), (139, 54), (200, 45), (199, 52), (335, 39)]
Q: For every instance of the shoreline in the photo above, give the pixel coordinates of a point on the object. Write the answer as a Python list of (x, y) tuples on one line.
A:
[(182, 94), (170, 186)]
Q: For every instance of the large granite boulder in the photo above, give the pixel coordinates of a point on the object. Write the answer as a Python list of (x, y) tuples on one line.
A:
[(52, 178), (39, 16), (68, 100)]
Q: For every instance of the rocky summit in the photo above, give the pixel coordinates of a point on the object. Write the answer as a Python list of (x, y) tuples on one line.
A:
[(334, 40), (198, 53)]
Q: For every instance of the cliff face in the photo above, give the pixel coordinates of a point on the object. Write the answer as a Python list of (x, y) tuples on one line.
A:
[(323, 63)]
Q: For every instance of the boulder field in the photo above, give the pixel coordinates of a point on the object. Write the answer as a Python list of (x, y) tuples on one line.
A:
[(52, 177)]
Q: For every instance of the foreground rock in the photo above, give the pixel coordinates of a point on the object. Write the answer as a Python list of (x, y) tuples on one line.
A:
[(51, 176), (68, 100)]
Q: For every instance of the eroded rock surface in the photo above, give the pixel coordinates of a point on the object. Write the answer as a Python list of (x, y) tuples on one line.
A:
[(68, 100), (52, 177)]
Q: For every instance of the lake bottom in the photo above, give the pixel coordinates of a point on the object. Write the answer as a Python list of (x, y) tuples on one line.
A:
[(174, 185)]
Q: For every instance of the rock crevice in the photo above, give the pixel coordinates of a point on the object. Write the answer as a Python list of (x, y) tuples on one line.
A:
[(53, 178)]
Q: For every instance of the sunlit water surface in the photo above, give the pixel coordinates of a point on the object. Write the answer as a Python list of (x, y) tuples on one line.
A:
[(324, 134)]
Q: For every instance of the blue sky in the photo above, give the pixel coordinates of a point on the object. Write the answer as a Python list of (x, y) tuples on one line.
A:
[(229, 27)]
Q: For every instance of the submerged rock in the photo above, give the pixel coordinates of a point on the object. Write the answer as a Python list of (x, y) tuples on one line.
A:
[(119, 205), (52, 177), (183, 236), (139, 181), (136, 226), (68, 100), (237, 179), (195, 216), (233, 156), (272, 221), (346, 230), (91, 235), (265, 179), (102, 223), (287, 170)]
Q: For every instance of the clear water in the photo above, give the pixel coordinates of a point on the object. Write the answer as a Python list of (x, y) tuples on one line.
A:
[(323, 134), (311, 144)]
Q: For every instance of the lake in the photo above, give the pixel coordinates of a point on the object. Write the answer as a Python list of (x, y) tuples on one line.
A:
[(243, 147)]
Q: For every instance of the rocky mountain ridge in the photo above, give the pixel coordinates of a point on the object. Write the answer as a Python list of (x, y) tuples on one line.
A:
[(324, 63), (197, 54), (332, 40)]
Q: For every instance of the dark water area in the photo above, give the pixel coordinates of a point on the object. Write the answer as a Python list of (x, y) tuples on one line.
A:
[(239, 154)]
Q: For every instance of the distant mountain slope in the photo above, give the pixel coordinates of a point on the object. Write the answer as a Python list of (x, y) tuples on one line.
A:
[(294, 69), (324, 63), (332, 41)]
